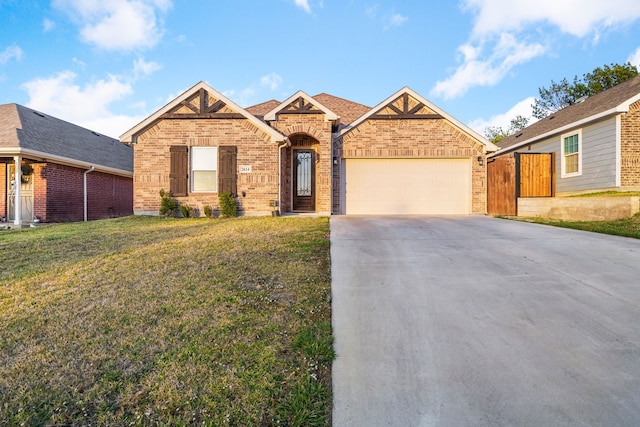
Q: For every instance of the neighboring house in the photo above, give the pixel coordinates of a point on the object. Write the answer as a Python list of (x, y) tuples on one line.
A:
[(320, 154), (59, 171), (596, 142)]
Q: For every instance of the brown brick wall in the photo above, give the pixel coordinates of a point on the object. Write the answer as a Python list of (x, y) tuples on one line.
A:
[(630, 150), (309, 131), (151, 162), (418, 138)]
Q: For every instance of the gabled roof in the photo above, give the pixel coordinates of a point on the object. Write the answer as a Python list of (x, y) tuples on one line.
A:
[(424, 107), (259, 110), (130, 135), (347, 110), (31, 133), (612, 101), (298, 102)]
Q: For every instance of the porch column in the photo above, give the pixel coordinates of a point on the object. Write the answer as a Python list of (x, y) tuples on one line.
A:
[(17, 201)]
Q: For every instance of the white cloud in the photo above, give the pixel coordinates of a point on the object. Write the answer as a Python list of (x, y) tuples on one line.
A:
[(11, 52), (635, 58), (85, 105), (48, 25), (303, 4), (496, 44), (394, 20), (117, 24), (575, 17), (522, 108), (272, 80), (256, 92), (141, 68), (475, 70)]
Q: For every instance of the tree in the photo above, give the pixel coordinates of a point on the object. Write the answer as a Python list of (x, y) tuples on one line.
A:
[(562, 94), (497, 133)]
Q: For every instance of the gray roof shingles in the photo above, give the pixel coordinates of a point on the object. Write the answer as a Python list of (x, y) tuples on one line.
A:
[(593, 105), (32, 130)]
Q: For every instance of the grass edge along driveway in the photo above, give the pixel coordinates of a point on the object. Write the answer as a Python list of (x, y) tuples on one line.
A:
[(153, 321)]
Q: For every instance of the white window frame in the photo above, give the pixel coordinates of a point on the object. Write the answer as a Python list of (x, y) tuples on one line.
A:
[(563, 173), (203, 159)]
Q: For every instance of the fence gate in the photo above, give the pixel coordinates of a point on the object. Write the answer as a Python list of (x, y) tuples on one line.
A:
[(518, 175)]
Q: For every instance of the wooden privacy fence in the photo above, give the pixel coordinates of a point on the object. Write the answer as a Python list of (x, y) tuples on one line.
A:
[(518, 175)]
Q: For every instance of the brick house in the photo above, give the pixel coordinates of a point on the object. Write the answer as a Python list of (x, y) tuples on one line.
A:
[(59, 171), (320, 154), (596, 142)]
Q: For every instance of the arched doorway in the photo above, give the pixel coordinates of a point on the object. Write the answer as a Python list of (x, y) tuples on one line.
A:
[(303, 159)]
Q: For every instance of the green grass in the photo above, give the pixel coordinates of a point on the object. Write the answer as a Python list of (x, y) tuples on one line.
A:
[(610, 194), (151, 321), (627, 227)]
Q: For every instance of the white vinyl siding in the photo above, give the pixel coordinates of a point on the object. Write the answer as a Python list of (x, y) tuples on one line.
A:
[(204, 169), (408, 186)]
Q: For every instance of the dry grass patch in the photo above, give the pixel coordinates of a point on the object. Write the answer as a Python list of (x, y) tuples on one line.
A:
[(149, 321)]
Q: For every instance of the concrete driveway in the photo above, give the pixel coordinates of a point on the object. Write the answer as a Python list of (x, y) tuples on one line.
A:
[(476, 321)]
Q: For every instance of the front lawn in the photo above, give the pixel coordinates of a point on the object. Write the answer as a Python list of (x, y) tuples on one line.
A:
[(627, 227), (152, 321)]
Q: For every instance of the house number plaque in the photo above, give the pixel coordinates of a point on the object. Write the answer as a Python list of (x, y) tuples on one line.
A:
[(245, 168)]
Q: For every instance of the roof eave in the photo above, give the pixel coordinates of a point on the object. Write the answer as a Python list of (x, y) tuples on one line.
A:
[(489, 146), (619, 109), (129, 136), (328, 114), (47, 157)]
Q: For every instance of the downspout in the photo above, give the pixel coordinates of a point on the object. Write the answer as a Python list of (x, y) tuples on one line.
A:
[(84, 187), (286, 144)]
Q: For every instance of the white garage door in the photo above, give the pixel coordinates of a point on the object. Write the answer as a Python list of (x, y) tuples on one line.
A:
[(408, 186)]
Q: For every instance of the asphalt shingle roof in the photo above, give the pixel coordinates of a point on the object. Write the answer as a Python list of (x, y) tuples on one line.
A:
[(32, 130), (591, 106)]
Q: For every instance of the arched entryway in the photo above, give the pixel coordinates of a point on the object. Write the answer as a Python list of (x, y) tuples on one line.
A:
[(302, 158)]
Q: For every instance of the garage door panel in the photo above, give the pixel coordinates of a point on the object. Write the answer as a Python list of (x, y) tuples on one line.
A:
[(408, 186)]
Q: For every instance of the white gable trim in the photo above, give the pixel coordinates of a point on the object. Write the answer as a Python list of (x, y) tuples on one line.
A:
[(128, 136), (489, 146), (328, 114)]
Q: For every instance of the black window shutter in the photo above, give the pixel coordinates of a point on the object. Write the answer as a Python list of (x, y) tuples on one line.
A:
[(179, 172), (227, 168)]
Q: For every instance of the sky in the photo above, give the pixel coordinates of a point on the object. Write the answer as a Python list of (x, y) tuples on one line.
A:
[(108, 64)]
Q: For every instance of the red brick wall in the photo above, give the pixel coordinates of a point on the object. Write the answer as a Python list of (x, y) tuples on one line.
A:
[(107, 195), (630, 155)]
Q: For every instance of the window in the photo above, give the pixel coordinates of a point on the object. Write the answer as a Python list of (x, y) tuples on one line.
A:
[(571, 154), (204, 169)]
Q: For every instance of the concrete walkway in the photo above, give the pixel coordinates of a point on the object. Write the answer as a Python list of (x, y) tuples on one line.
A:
[(475, 321)]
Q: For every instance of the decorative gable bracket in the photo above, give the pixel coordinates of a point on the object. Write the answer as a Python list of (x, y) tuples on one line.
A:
[(300, 106), (405, 110), (198, 103)]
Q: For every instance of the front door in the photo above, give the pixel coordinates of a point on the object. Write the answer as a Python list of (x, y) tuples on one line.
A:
[(304, 181), (26, 193)]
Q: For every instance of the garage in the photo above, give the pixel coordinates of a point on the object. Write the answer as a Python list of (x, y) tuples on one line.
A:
[(407, 186)]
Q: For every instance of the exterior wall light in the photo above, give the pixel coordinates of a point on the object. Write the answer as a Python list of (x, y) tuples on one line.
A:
[(480, 161)]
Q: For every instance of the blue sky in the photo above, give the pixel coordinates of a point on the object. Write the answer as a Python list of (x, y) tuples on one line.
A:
[(107, 65)]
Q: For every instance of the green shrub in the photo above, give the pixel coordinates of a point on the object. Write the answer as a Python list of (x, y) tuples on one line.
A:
[(228, 207), (186, 211), (208, 211), (168, 204)]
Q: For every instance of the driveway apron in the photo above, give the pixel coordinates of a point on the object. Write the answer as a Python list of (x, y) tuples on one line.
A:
[(476, 321)]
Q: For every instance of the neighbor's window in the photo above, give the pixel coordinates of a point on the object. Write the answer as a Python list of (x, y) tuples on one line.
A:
[(571, 154), (204, 169)]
